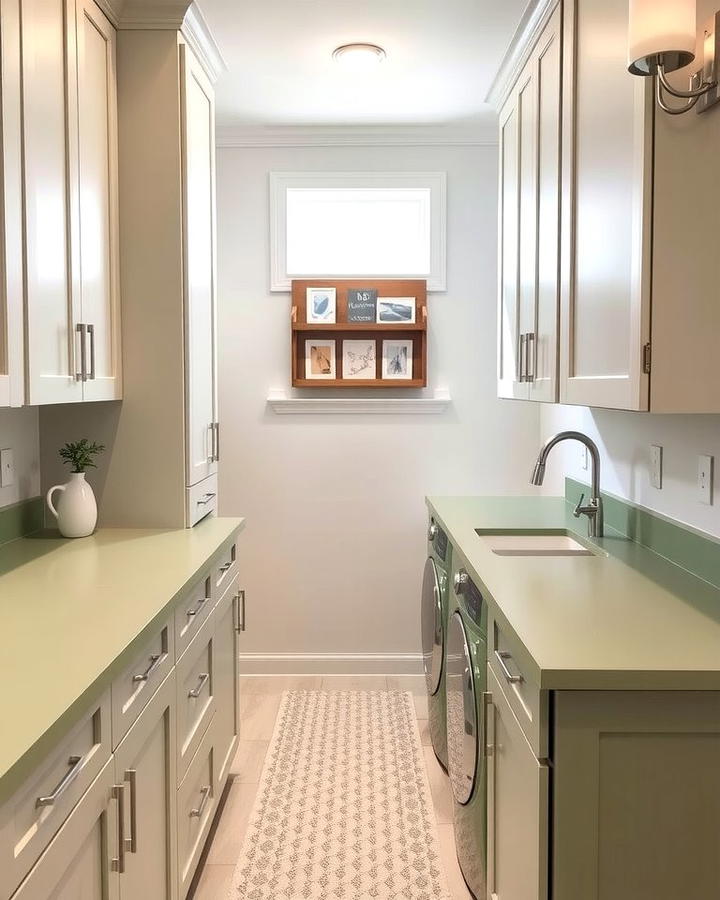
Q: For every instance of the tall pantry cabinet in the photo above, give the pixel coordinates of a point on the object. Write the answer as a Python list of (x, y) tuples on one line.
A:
[(164, 439)]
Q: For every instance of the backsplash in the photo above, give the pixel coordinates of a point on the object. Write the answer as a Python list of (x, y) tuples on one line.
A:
[(697, 553), (20, 519), (19, 432)]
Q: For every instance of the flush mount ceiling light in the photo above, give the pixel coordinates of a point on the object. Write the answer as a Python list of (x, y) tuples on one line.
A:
[(359, 55), (661, 39)]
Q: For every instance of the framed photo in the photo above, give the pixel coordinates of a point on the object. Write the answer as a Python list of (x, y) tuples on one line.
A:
[(319, 358), (358, 359), (397, 361), (320, 305), (361, 304), (396, 310)]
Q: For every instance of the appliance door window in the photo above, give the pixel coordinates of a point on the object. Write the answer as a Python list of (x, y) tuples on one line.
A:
[(433, 638), (462, 718)]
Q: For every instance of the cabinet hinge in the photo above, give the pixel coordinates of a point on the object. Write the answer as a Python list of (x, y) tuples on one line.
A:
[(646, 359)]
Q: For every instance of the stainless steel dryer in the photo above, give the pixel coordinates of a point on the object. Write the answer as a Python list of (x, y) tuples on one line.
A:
[(434, 613)]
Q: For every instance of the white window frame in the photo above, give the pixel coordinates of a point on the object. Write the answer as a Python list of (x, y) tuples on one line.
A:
[(436, 182)]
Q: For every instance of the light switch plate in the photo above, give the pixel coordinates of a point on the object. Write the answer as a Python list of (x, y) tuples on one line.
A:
[(584, 458), (656, 466), (705, 479), (7, 468)]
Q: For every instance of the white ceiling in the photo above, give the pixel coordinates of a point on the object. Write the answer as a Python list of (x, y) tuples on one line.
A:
[(442, 56)]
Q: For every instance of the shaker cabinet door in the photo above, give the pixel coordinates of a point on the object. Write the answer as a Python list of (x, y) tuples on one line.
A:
[(99, 222), (199, 252), (52, 220)]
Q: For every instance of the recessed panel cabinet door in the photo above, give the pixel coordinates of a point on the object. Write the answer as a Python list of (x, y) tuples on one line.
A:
[(83, 858), (97, 144), (51, 201), (607, 193), (225, 648), (199, 248), (518, 807), (145, 765)]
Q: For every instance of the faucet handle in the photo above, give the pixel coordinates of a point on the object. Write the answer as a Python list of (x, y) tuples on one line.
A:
[(579, 508)]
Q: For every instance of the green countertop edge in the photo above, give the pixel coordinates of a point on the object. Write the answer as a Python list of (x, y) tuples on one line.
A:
[(20, 519), (18, 773), (694, 551)]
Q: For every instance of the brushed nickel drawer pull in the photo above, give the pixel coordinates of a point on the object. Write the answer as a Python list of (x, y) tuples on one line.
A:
[(206, 499), (225, 566), (202, 681), (196, 609), (75, 763), (198, 811), (502, 656), (118, 863), (157, 659), (131, 842)]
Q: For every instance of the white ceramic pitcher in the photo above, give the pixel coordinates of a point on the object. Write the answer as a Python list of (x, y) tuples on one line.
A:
[(76, 511)]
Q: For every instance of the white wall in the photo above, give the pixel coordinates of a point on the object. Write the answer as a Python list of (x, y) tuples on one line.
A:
[(19, 430), (624, 439), (335, 543)]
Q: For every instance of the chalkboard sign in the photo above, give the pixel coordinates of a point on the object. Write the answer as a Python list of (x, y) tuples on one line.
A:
[(361, 304)]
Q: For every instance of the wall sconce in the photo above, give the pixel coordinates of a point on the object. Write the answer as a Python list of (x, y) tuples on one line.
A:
[(661, 39)]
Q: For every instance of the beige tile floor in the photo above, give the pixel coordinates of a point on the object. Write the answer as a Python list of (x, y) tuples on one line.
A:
[(259, 703)]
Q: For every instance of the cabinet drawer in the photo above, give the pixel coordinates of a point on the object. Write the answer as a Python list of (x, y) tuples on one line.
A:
[(195, 694), (225, 568), (509, 661), (201, 500), (196, 801), (132, 690), (191, 613), (30, 819)]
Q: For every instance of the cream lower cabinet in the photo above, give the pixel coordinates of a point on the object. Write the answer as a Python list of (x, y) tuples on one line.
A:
[(229, 623), (518, 806), (71, 210), (145, 774), (529, 222)]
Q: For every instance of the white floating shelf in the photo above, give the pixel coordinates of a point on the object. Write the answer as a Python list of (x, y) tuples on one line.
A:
[(283, 405)]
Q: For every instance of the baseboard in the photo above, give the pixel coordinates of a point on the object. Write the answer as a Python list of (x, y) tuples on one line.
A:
[(331, 664)]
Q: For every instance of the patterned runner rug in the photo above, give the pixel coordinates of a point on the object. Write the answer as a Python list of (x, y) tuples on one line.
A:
[(343, 811)]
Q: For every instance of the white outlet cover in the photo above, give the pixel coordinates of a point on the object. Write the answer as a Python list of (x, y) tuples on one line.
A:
[(656, 466), (7, 468), (705, 479)]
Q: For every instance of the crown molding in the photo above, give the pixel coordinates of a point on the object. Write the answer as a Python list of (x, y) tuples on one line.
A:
[(249, 136), (140, 14), (534, 19), (197, 33)]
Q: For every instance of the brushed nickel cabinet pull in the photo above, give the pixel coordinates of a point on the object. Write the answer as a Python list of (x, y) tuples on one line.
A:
[(196, 609), (155, 660), (197, 690), (501, 657), (118, 863), (487, 702), (241, 611), (206, 499), (91, 332), (81, 329), (530, 356), (75, 763), (198, 811), (131, 842)]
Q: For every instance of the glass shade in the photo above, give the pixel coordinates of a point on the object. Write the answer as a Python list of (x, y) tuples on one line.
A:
[(660, 31)]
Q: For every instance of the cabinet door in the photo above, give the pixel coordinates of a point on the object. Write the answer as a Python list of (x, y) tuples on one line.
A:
[(543, 327), (83, 858), (11, 262), (636, 795), (607, 171), (518, 810), (509, 361), (199, 250), (227, 715), (99, 222), (51, 200), (145, 764)]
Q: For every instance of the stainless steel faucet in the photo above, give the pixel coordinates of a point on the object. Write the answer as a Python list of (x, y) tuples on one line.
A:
[(594, 508)]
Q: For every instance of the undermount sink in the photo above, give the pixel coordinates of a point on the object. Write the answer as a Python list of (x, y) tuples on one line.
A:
[(551, 542)]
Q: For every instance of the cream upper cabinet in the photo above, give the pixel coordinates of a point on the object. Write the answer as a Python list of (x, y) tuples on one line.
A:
[(529, 217), (11, 270), (202, 429), (607, 193), (69, 138)]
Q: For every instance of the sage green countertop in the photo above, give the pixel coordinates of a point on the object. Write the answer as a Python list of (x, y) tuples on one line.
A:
[(625, 619), (72, 614)]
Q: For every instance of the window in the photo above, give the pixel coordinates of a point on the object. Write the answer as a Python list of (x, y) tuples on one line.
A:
[(345, 225)]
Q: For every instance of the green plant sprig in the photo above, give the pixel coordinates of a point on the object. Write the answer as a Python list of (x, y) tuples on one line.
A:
[(80, 454)]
